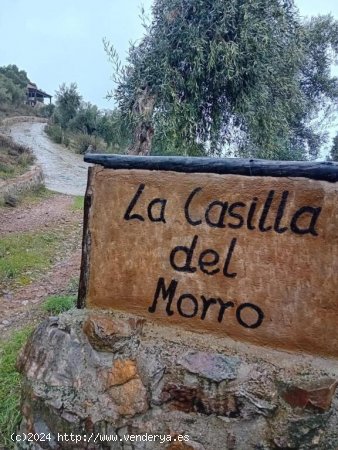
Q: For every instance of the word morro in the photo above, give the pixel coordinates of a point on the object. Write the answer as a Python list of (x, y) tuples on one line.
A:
[(189, 307), (222, 214)]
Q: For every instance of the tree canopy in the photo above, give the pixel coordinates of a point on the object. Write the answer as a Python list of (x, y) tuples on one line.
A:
[(18, 77), (67, 104), (334, 149), (83, 123), (234, 77), (13, 84)]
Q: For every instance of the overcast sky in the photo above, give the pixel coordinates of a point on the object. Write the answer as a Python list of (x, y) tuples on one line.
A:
[(60, 41)]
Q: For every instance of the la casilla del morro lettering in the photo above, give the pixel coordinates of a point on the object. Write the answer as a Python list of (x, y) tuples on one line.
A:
[(263, 215)]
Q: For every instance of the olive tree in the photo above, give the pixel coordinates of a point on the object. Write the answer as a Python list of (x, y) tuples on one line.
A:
[(67, 104), (228, 77)]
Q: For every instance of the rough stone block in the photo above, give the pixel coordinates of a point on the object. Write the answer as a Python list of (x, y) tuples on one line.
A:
[(210, 365), (317, 395), (122, 372), (130, 398), (105, 333)]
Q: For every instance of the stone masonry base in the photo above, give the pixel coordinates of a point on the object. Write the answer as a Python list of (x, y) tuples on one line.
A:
[(122, 380)]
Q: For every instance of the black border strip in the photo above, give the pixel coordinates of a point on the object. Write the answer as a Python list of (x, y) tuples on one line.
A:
[(86, 243), (326, 171)]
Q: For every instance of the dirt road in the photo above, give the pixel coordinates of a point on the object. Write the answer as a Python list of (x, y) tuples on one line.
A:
[(64, 171)]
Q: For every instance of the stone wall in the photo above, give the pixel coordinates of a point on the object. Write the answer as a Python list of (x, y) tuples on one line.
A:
[(113, 374)]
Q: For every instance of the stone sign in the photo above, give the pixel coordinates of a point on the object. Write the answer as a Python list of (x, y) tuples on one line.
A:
[(254, 258)]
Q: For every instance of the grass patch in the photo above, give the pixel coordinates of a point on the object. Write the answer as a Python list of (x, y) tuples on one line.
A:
[(58, 304), (22, 255), (36, 195), (10, 386), (78, 203)]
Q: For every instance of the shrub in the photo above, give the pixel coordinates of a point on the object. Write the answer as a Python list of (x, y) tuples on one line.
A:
[(54, 132), (58, 304), (46, 110), (83, 141)]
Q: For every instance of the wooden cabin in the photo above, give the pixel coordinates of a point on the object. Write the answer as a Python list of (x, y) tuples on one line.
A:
[(35, 96)]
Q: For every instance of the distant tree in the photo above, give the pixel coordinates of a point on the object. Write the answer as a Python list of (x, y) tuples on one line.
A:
[(223, 77), (334, 149), (113, 130), (85, 122), (5, 96), (47, 110), (67, 104), (86, 119), (10, 92), (18, 77)]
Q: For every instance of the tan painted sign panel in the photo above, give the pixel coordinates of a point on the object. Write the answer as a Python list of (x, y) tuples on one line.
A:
[(252, 258)]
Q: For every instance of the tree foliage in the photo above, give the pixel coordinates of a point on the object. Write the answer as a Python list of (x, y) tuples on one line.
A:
[(243, 77), (334, 149), (111, 128), (67, 104), (72, 118), (86, 119), (13, 84), (18, 77)]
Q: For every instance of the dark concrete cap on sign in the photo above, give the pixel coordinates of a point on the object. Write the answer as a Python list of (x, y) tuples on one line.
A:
[(326, 171)]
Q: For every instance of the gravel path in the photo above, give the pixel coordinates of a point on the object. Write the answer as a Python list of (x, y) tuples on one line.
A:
[(64, 171)]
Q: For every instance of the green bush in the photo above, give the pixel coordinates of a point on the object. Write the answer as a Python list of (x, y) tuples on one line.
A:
[(46, 110), (54, 132), (83, 141), (59, 304), (66, 140)]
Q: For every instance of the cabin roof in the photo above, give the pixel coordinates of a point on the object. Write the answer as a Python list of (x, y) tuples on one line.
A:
[(31, 87)]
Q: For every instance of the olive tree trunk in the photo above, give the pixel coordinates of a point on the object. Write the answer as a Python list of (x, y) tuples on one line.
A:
[(143, 134)]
